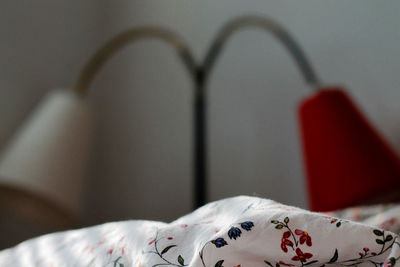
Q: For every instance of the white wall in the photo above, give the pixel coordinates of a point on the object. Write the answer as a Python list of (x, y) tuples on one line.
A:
[(141, 165), (42, 46)]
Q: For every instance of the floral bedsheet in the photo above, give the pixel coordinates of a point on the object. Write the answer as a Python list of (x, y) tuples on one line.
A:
[(234, 232)]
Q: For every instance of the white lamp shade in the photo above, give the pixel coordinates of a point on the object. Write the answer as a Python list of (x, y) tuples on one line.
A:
[(49, 153)]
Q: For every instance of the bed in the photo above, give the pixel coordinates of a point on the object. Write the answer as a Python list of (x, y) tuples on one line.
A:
[(239, 231)]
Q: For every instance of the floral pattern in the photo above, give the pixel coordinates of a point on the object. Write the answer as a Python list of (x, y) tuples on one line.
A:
[(235, 232), (286, 241), (387, 241), (289, 239), (304, 237), (301, 256), (161, 253)]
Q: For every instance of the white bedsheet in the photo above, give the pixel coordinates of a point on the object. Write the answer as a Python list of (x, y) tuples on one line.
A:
[(235, 232)]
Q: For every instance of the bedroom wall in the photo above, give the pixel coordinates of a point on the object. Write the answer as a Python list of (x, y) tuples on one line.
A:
[(42, 45), (141, 164)]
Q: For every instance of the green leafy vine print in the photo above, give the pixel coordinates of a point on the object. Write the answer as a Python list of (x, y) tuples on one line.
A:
[(385, 240), (161, 254)]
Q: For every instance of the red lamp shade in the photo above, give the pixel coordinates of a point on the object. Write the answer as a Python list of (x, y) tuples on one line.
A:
[(347, 161)]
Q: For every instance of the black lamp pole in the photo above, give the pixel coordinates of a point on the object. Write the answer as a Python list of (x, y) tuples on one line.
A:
[(200, 141)]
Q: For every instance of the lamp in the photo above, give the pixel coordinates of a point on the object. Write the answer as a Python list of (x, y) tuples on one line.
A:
[(347, 161), (42, 169)]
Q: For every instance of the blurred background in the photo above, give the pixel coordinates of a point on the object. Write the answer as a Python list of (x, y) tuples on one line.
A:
[(141, 159)]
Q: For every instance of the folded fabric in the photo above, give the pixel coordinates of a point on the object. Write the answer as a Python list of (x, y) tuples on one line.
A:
[(234, 232)]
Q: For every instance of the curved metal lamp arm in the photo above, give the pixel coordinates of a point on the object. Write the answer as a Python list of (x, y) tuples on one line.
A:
[(211, 57), (100, 57), (269, 26)]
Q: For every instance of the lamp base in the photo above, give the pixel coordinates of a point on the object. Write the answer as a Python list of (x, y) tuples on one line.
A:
[(24, 214)]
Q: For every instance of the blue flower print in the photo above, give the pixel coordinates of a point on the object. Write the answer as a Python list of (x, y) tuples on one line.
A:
[(247, 225), (219, 242), (234, 232)]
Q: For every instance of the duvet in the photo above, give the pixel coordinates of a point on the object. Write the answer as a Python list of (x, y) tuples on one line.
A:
[(234, 232)]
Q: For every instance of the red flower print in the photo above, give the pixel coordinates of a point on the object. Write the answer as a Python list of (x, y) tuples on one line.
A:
[(170, 238), (110, 251), (284, 263), (285, 241), (366, 252), (152, 241), (301, 256), (304, 237)]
